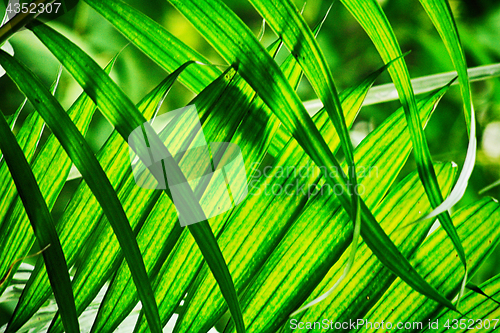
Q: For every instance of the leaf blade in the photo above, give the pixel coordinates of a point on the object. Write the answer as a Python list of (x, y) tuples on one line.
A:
[(42, 223), (79, 151)]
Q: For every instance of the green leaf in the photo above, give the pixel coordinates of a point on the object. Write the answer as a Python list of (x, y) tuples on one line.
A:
[(17, 237), (121, 112), (284, 18), (233, 40), (286, 21), (156, 42), (306, 253), (256, 238), (101, 260), (440, 13), (27, 138), (253, 142), (371, 17), (478, 311), (81, 154), (51, 183), (435, 260), (489, 187), (353, 299), (41, 221)]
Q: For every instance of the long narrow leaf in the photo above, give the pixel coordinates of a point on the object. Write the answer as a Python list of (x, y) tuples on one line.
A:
[(440, 13), (123, 114), (156, 42), (371, 17), (17, 237), (41, 221), (81, 154), (237, 45), (285, 19), (51, 181)]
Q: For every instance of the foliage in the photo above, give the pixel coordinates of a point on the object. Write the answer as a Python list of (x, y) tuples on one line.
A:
[(281, 260)]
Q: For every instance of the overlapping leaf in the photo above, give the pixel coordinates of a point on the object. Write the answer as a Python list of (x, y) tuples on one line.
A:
[(173, 279), (81, 154), (123, 114), (37, 210), (440, 13), (435, 260), (353, 298), (285, 19), (51, 180), (308, 246), (371, 17), (83, 208), (233, 40)]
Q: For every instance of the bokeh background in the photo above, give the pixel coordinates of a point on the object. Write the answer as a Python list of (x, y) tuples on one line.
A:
[(351, 57)]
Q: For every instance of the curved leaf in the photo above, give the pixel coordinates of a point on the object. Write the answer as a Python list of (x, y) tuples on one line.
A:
[(123, 114), (440, 13), (37, 289), (435, 260), (41, 221), (81, 154), (156, 42), (353, 298), (282, 285), (233, 40), (371, 17)]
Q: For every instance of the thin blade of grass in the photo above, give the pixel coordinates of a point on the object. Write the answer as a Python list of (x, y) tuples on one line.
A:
[(489, 187), (441, 16)]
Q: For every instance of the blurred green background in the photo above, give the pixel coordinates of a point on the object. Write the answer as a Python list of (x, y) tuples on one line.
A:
[(348, 50)]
